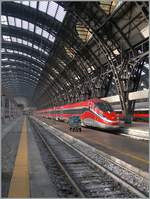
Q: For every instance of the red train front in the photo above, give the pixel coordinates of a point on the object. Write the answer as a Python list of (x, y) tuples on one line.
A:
[(100, 114)]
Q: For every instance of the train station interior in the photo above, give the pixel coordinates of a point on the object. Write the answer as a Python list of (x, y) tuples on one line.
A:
[(75, 99)]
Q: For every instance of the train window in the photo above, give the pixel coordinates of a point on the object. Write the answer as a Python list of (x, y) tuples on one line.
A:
[(104, 106)]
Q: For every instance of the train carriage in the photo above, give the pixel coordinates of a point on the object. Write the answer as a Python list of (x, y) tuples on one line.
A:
[(94, 112)]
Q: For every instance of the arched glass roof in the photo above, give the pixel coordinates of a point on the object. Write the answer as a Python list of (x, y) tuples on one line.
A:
[(27, 43)]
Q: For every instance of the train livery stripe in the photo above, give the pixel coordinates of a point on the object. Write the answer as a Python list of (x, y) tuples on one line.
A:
[(83, 116)]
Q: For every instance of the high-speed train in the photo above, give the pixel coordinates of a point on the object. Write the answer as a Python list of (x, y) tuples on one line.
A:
[(93, 112)]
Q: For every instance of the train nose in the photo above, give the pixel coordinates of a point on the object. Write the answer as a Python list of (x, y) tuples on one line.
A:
[(111, 116)]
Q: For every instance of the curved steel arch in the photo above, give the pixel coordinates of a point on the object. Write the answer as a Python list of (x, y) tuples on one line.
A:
[(6, 80), (8, 75), (24, 48), (31, 15), (19, 66), (16, 56), (20, 85), (18, 69), (27, 35)]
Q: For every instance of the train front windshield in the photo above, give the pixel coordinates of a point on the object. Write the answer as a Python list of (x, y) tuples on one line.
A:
[(104, 107)]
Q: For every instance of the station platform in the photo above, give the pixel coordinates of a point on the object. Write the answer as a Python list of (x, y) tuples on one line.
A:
[(24, 173), (138, 130), (132, 151)]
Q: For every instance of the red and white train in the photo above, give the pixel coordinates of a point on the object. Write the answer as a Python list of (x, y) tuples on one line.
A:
[(93, 112)]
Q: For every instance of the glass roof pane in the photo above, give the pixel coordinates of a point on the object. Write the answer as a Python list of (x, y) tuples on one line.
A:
[(25, 3), (33, 4), (19, 40), (51, 38), (60, 14), (31, 27), (45, 34), (24, 42), (6, 38), (11, 21), (30, 44), (14, 39), (38, 30), (3, 50), (17, 1), (18, 22), (36, 47), (43, 6), (52, 8), (25, 24), (8, 50), (4, 20)]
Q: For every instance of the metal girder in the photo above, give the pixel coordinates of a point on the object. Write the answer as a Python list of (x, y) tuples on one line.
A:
[(6, 75), (20, 70), (31, 15), (102, 37), (24, 48), (19, 81), (27, 35), (22, 58), (20, 66)]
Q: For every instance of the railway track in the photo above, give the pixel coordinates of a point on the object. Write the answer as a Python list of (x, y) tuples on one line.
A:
[(84, 178)]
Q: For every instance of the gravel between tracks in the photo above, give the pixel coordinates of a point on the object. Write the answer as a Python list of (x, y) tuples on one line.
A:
[(60, 150), (135, 180), (60, 181)]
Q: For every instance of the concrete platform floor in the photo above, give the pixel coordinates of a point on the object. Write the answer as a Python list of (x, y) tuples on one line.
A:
[(138, 130), (16, 166), (134, 152)]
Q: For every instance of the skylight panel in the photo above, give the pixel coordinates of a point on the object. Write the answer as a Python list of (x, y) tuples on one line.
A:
[(18, 22), (14, 39), (4, 59), (33, 4), (51, 38), (31, 27), (6, 38), (145, 32), (60, 14), (4, 20), (38, 30), (36, 47), (11, 21), (19, 40), (43, 6), (10, 51), (146, 65), (24, 24), (24, 42), (46, 53), (52, 8), (25, 3), (3, 50), (30, 44), (45, 34)]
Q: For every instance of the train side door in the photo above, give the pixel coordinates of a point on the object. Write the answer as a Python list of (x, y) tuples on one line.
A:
[(91, 116)]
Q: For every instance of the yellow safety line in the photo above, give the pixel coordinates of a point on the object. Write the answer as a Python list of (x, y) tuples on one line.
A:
[(19, 186)]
